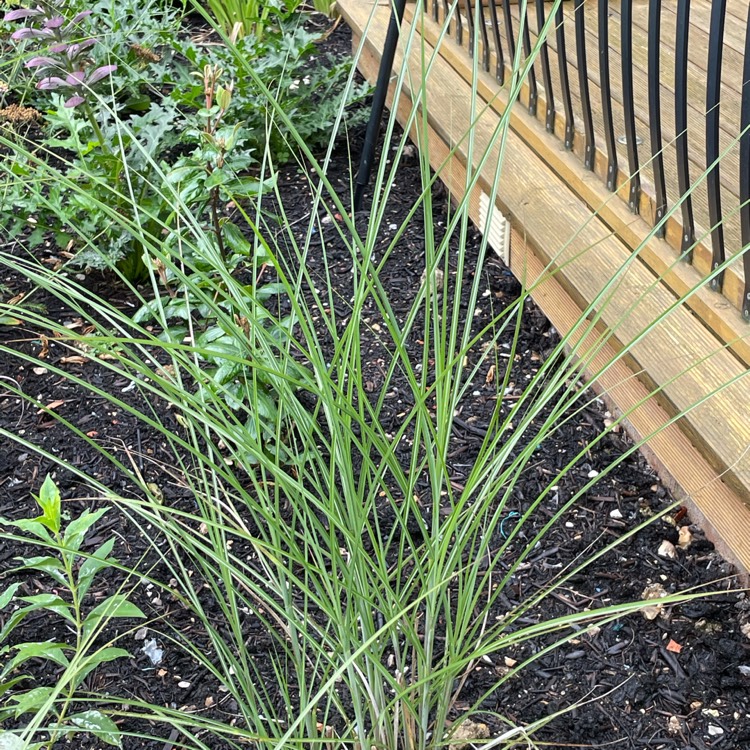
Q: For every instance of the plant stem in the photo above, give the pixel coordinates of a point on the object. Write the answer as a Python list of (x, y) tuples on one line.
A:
[(97, 130), (217, 223)]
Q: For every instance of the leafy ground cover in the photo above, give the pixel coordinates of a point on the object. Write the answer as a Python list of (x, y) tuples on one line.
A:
[(201, 662)]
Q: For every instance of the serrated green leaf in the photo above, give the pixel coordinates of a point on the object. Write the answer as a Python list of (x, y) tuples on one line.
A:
[(92, 565), (76, 530), (114, 606), (99, 725), (49, 502)]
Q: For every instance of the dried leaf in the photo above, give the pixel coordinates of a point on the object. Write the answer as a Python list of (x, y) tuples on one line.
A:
[(50, 406)]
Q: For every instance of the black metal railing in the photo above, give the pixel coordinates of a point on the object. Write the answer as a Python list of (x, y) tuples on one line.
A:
[(655, 93)]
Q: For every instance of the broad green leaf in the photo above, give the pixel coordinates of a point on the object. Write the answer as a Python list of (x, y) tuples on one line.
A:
[(99, 725), (92, 565), (5, 686), (76, 530), (10, 741), (26, 651), (8, 594), (40, 601), (49, 502), (269, 290), (49, 565), (114, 606), (32, 700), (31, 526), (216, 178), (100, 657)]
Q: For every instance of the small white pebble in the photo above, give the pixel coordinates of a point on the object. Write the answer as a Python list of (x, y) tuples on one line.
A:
[(616, 514), (183, 684), (593, 473), (666, 549)]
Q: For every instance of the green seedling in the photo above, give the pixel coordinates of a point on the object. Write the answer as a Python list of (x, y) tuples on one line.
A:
[(72, 573)]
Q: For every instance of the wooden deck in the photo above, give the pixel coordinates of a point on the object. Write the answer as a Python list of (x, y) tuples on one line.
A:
[(731, 90), (578, 260)]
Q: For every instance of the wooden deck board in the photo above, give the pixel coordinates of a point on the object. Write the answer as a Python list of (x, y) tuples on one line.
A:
[(535, 197)]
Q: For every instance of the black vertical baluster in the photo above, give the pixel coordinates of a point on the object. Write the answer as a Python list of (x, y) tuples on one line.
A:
[(447, 16), (470, 26), (485, 40), (531, 76), (499, 59), (459, 25), (436, 10), (654, 116), (564, 82), (546, 73), (509, 32), (745, 172), (583, 82), (626, 18), (713, 94), (609, 128), (680, 119)]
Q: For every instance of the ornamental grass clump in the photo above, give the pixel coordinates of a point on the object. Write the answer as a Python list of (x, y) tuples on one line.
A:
[(378, 583)]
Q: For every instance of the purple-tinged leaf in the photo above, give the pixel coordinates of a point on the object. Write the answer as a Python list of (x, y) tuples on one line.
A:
[(75, 49), (74, 101), (54, 23), (75, 78), (80, 16), (76, 20), (17, 15), (100, 73), (29, 33), (42, 62), (51, 82), (58, 48)]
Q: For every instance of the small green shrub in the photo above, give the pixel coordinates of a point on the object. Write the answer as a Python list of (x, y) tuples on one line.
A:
[(72, 572), (286, 60)]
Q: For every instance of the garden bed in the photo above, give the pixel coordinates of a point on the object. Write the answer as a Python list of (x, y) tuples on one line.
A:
[(678, 681)]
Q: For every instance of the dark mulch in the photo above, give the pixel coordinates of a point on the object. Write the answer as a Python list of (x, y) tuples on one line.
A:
[(650, 692)]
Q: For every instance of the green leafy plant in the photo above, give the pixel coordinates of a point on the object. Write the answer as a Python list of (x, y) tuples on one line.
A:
[(213, 176), (240, 18), (313, 95), (99, 153), (73, 572)]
